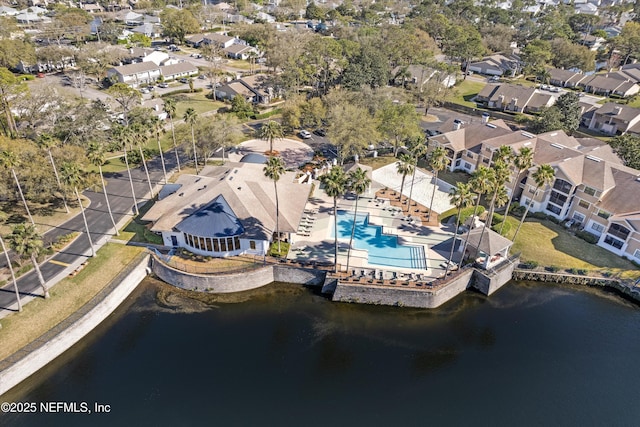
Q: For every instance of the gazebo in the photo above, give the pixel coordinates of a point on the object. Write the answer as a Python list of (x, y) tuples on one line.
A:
[(491, 250)]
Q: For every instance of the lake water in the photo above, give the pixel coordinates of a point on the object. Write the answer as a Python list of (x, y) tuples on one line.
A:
[(530, 355)]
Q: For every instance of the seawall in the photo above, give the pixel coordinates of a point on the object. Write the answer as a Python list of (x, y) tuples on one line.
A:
[(19, 366), (238, 281)]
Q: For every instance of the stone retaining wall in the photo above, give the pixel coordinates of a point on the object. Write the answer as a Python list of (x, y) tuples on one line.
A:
[(36, 355), (403, 296)]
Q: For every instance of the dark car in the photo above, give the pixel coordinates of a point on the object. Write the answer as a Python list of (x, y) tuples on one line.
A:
[(320, 132), (432, 132)]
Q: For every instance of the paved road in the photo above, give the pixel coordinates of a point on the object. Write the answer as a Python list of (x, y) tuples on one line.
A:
[(100, 227)]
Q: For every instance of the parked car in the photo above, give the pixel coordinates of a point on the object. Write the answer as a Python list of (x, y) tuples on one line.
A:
[(183, 80), (320, 132), (163, 85), (305, 134), (202, 77), (144, 90), (494, 79), (554, 89), (432, 132)]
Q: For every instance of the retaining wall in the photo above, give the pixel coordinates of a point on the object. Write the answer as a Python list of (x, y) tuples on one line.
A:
[(488, 282), (402, 296), (33, 357)]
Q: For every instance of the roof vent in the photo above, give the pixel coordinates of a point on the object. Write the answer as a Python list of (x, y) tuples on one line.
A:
[(594, 158), (559, 146), (239, 188), (617, 110), (491, 125), (197, 180), (181, 194), (528, 135), (553, 134), (527, 143)]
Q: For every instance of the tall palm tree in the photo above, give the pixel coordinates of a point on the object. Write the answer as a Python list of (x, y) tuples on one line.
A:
[(157, 128), (13, 276), (191, 117), (500, 173), (124, 137), (270, 131), (47, 142), (273, 170), (334, 186), (480, 183), (170, 109), (139, 139), (357, 182), (72, 177), (543, 176), (461, 196), (438, 161), (9, 160), (523, 161), (27, 242), (95, 154), (404, 166), (418, 149)]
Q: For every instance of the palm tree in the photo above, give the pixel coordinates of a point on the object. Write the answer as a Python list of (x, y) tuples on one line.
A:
[(72, 177), (273, 170), (157, 127), (27, 242), (10, 161), (124, 136), (438, 161), (523, 161), (95, 154), (418, 149), (461, 196), (139, 139), (47, 142), (404, 166), (334, 186), (170, 109), (357, 182), (500, 173), (480, 183), (13, 276), (270, 131), (543, 176), (191, 117)]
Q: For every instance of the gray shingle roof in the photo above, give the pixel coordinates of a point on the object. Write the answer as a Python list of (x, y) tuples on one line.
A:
[(216, 219)]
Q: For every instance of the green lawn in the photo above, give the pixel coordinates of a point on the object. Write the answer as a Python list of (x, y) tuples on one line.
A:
[(551, 244), (197, 101), (454, 177), (377, 162), (136, 230), (465, 91)]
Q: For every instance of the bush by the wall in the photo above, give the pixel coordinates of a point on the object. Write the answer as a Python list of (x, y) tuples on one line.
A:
[(529, 264), (587, 237), (179, 91), (552, 268), (553, 219), (538, 215)]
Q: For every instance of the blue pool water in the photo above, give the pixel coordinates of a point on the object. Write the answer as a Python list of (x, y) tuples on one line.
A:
[(382, 249)]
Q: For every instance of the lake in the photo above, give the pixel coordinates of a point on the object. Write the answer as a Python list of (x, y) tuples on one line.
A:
[(529, 355)]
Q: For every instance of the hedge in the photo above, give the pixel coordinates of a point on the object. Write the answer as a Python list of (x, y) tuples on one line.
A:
[(179, 91), (587, 237)]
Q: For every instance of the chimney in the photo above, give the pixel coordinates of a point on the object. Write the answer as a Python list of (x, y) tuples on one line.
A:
[(457, 124), (617, 110), (485, 118)]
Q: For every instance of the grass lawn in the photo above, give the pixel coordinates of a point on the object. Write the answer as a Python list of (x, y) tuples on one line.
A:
[(198, 101), (377, 162), (284, 249), (454, 177), (136, 230), (551, 245), (40, 315), (239, 64), (465, 91)]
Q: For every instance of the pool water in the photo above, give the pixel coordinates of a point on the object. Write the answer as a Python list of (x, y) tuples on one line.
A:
[(382, 249)]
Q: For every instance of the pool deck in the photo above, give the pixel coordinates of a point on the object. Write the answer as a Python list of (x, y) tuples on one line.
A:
[(316, 243)]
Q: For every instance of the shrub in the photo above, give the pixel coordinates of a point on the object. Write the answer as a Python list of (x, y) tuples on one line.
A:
[(538, 215), (587, 237), (552, 268), (582, 271), (179, 91), (265, 115), (553, 219), (572, 270), (529, 265)]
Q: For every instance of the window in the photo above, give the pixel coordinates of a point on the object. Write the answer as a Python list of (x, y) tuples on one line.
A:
[(469, 154), (636, 254), (208, 242), (229, 244), (236, 242), (553, 208), (216, 247), (202, 245), (597, 227), (578, 217), (223, 245), (590, 191), (532, 190), (467, 165), (613, 242), (603, 214), (557, 198), (562, 185), (584, 204), (618, 231), (457, 163), (252, 244)]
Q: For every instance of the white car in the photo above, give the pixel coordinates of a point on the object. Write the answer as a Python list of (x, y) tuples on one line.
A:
[(305, 134)]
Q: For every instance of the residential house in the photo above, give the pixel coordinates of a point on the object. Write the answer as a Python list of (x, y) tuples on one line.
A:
[(8, 11), (91, 7), (239, 51), (221, 40), (565, 78), (228, 210), (497, 65), (506, 97), (604, 84), (252, 88), (156, 105), (615, 119), (419, 75), (539, 101), (179, 70), (140, 73), (153, 31)]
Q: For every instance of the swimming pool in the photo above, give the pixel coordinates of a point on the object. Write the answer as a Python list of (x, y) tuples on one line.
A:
[(382, 249)]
